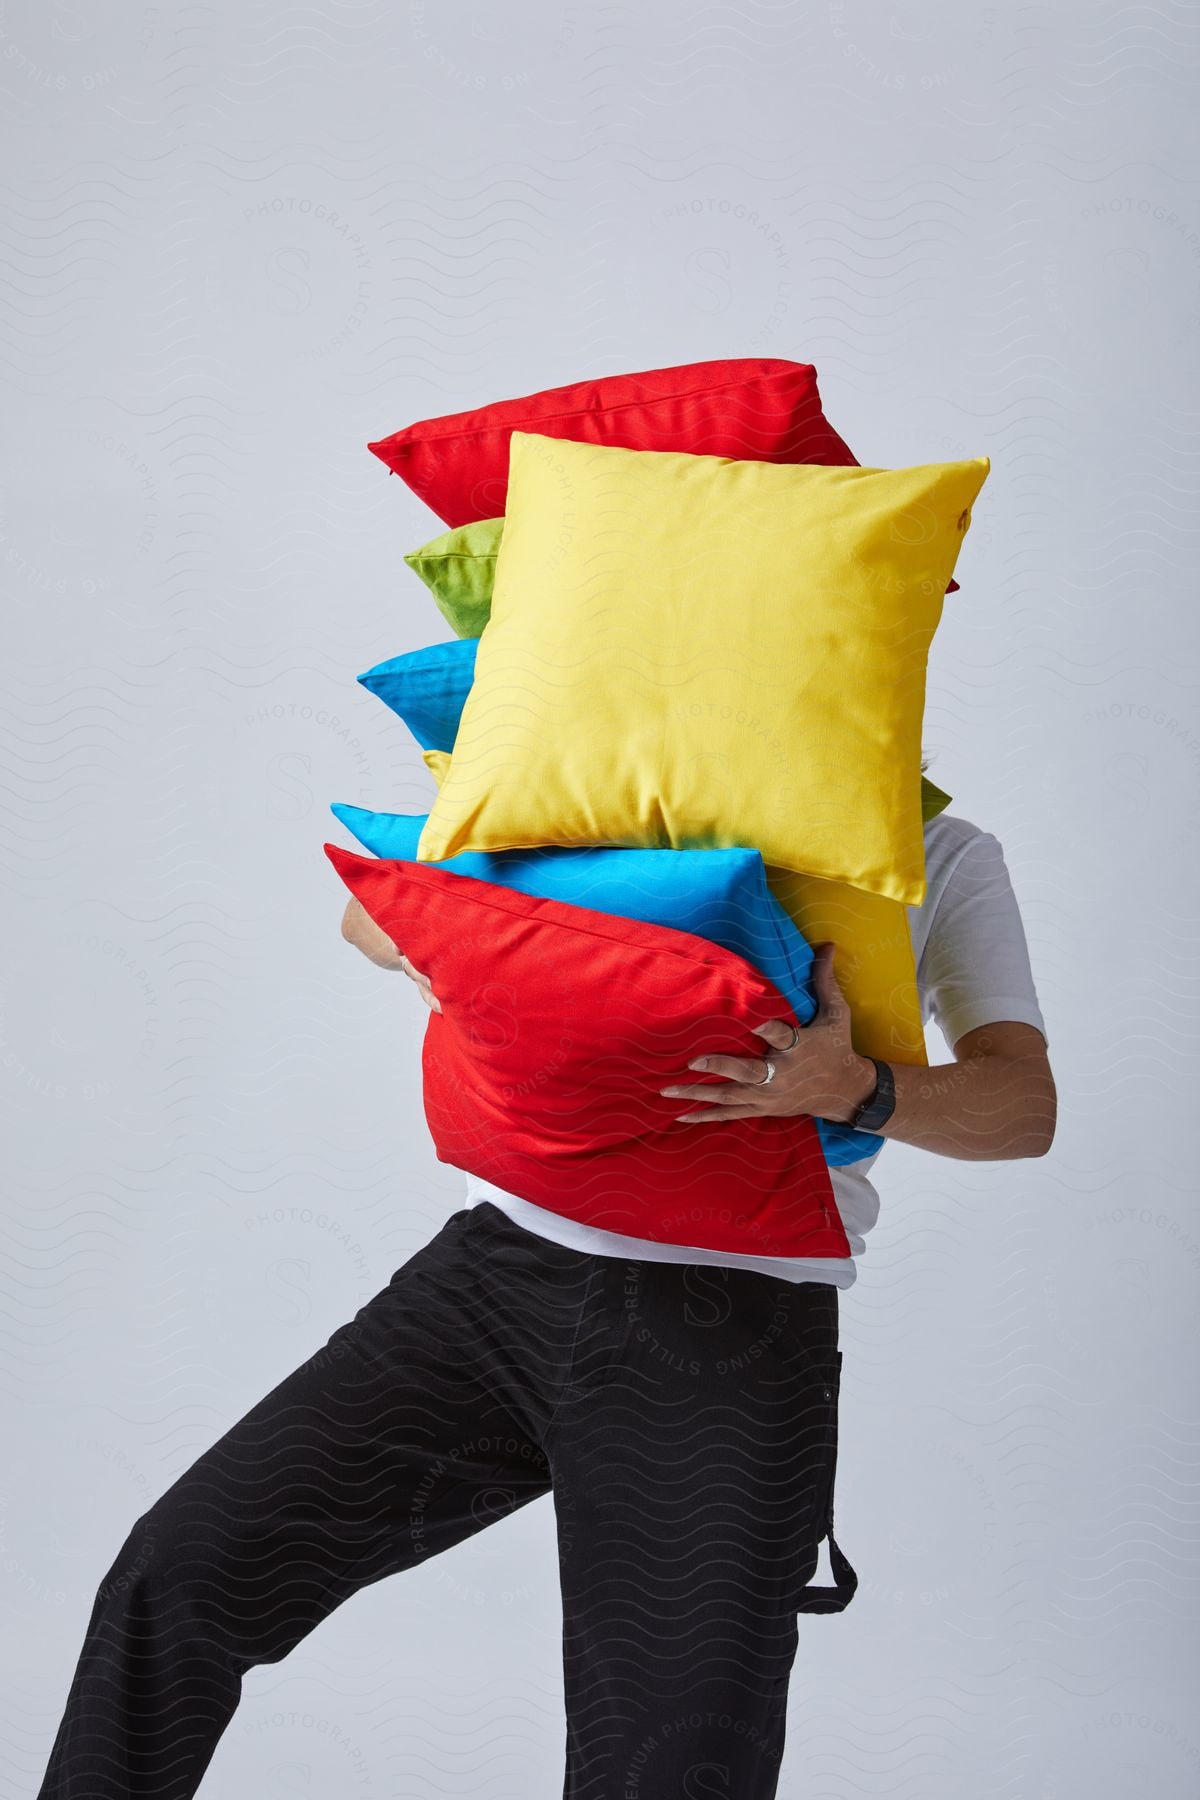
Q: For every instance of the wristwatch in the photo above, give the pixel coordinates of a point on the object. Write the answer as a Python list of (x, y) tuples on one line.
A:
[(880, 1103)]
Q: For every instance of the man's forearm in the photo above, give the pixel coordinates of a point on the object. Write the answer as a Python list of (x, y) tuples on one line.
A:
[(987, 1106), (360, 929)]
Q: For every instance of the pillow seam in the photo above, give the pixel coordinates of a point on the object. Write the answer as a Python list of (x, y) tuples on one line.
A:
[(578, 412), (615, 938)]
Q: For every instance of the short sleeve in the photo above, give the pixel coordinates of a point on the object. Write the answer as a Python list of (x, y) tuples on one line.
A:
[(974, 969)]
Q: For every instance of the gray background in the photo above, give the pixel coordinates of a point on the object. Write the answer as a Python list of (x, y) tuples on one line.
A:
[(239, 241)]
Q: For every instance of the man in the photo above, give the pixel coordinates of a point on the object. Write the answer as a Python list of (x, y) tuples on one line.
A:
[(680, 1405)]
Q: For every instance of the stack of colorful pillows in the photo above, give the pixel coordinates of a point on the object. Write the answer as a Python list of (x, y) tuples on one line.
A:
[(676, 740)]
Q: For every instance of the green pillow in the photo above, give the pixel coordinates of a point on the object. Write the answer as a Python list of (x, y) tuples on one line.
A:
[(933, 800), (458, 569)]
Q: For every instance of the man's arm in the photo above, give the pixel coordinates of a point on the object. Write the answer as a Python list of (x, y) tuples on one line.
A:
[(995, 1101), (360, 929), (997, 1098)]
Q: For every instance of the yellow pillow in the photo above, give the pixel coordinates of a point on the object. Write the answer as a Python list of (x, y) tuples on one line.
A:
[(874, 962), (696, 652)]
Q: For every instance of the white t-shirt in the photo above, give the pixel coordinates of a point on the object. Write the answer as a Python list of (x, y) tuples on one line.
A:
[(972, 969)]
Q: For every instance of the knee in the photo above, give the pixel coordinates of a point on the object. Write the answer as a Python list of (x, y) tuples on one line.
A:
[(143, 1552), (174, 1578), (177, 1543)]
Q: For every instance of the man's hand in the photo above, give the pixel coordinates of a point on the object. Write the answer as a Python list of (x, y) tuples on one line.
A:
[(821, 1074), (423, 988), (360, 929)]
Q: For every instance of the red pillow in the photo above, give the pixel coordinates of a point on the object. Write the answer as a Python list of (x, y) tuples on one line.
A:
[(757, 408), (559, 1025)]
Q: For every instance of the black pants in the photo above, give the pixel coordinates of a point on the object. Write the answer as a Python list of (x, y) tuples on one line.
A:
[(684, 1418)]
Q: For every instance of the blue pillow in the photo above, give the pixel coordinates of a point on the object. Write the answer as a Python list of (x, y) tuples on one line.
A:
[(721, 895), (428, 688)]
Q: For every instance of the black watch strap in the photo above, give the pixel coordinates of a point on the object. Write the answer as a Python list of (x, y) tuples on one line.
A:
[(880, 1104)]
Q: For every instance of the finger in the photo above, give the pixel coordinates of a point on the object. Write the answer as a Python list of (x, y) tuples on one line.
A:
[(825, 982), (778, 1033), (749, 1069), (732, 1093), (719, 1117), (421, 979), (423, 986), (727, 1095)]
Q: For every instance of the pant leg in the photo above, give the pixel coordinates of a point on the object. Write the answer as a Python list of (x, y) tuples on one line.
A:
[(418, 1423), (692, 1467)]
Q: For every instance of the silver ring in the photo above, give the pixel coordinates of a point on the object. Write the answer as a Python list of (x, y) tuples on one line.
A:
[(770, 1074), (795, 1038)]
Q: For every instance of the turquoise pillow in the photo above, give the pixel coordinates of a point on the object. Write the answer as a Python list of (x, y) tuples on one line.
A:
[(718, 894), (428, 688)]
